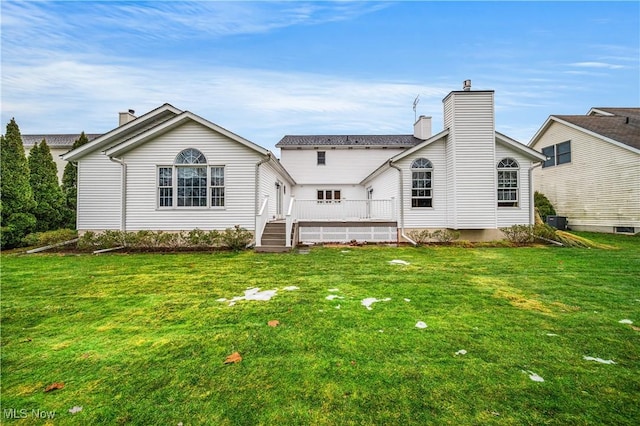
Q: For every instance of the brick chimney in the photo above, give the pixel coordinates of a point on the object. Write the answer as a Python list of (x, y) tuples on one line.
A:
[(422, 128), (125, 117)]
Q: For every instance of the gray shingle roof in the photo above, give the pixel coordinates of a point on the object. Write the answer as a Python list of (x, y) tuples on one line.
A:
[(55, 141), (624, 127), (348, 140)]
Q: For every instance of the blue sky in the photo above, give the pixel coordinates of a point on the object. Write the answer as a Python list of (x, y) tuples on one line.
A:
[(266, 69)]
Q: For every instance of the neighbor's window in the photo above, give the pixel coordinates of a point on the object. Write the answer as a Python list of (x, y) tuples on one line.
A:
[(328, 196), (557, 154), (508, 183), (189, 180), (421, 185), (322, 158)]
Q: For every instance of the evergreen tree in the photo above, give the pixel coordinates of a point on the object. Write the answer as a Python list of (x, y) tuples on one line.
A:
[(70, 185), (17, 203), (49, 209)]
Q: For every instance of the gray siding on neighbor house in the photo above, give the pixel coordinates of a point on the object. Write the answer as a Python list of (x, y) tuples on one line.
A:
[(238, 160), (599, 189)]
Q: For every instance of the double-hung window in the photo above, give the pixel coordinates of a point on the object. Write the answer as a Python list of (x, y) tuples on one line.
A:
[(329, 196), (190, 182), (557, 154), (421, 184), (508, 183)]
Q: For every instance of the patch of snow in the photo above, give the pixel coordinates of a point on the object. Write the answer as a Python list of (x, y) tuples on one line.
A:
[(600, 360), (533, 376), (221, 300), (345, 251), (75, 409), (380, 331), (333, 290), (338, 307), (407, 300), (256, 294), (291, 288), (371, 300), (398, 262), (333, 296), (461, 352), (551, 334), (625, 321), (421, 324), (251, 294)]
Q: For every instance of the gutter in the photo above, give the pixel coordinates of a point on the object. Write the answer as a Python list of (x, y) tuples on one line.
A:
[(123, 204), (532, 206), (402, 204)]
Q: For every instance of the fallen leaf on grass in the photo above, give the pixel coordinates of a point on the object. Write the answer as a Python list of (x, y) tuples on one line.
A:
[(54, 386), (635, 328), (234, 358), (273, 323), (75, 409)]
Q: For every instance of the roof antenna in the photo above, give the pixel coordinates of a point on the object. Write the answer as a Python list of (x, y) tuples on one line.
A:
[(415, 105)]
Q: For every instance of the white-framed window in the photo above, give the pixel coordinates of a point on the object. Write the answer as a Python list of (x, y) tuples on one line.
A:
[(322, 158), (557, 154), (508, 183), (421, 183), (190, 182), (329, 196), (217, 186)]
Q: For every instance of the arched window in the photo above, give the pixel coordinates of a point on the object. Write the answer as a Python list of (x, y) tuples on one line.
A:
[(508, 183), (421, 184), (188, 181)]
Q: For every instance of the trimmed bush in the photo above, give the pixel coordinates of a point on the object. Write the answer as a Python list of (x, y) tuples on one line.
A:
[(236, 238), (445, 235), (519, 234)]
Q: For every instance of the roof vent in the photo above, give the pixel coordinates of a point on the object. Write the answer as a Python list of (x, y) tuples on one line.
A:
[(466, 86)]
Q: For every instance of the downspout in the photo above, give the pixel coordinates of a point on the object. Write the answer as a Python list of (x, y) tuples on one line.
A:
[(532, 206), (257, 183), (123, 210), (402, 204), (257, 197)]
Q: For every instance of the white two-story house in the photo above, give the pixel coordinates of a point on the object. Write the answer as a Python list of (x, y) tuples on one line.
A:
[(172, 170)]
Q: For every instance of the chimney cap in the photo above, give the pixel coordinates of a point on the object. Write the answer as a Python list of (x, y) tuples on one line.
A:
[(466, 85), (132, 112)]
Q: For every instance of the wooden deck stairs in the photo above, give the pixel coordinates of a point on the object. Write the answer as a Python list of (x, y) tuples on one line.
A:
[(273, 238)]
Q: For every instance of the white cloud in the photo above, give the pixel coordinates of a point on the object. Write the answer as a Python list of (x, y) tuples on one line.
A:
[(599, 65)]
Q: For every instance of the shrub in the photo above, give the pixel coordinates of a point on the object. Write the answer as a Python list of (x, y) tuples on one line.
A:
[(543, 205), (519, 234), (445, 235), (236, 238), (42, 239), (420, 236)]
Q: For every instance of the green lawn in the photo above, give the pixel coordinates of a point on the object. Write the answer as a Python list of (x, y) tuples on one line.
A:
[(142, 338)]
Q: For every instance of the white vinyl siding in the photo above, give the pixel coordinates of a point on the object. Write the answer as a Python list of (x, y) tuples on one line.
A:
[(599, 189), (239, 163), (471, 160), (99, 193), (520, 215), (269, 179), (343, 166), (436, 215)]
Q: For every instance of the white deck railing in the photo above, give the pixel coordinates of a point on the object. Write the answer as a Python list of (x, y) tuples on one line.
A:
[(344, 210)]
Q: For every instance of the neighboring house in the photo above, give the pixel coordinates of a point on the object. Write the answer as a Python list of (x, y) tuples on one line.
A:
[(58, 145), (172, 170), (592, 171)]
